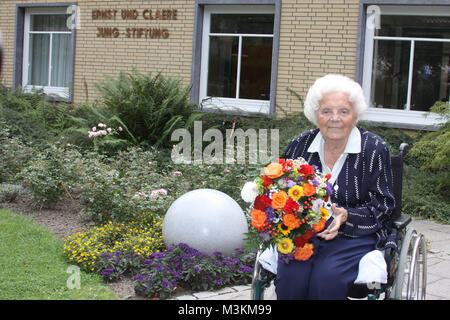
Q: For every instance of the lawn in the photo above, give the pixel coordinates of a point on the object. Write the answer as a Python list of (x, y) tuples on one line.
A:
[(32, 265)]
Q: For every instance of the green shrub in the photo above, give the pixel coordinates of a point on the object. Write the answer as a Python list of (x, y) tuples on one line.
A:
[(87, 116), (34, 108), (104, 193), (9, 192), (150, 107), (422, 197), (431, 152), (14, 154), (52, 172)]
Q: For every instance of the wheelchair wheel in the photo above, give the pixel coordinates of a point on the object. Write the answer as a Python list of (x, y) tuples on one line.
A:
[(410, 280)]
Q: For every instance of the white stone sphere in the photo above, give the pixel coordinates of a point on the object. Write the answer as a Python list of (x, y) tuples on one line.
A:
[(207, 220)]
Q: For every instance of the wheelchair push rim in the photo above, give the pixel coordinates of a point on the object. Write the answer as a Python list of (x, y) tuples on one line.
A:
[(410, 280)]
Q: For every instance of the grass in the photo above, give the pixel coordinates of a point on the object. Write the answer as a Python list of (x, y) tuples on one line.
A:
[(32, 265)]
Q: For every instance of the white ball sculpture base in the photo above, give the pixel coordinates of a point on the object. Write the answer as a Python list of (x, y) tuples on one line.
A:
[(207, 220)]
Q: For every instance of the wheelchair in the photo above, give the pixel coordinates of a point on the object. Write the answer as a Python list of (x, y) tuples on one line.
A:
[(406, 268)]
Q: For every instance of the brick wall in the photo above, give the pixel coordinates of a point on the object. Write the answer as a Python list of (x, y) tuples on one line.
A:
[(98, 57), (316, 37)]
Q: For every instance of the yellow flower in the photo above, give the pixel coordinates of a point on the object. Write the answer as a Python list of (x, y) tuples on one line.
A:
[(284, 229), (285, 246), (296, 192), (323, 213)]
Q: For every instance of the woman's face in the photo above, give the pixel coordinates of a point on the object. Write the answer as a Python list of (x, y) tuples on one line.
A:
[(336, 116)]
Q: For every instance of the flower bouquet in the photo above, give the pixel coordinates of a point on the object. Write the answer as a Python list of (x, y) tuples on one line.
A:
[(289, 203)]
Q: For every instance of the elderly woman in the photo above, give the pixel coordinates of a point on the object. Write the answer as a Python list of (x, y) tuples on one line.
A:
[(363, 199)]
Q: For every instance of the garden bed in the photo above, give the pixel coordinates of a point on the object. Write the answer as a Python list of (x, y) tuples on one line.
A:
[(62, 220)]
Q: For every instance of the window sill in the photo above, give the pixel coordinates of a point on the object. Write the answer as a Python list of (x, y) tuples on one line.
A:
[(59, 94), (236, 106), (415, 120)]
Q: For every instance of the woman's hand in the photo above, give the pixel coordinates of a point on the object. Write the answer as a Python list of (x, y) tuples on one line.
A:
[(339, 219)]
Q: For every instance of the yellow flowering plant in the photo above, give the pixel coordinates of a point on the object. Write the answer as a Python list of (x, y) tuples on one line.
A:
[(140, 237)]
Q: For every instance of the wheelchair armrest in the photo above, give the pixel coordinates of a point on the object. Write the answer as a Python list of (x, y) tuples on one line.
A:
[(401, 222)]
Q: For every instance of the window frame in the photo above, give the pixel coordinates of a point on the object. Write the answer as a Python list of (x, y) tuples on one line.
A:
[(20, 75), (408, 119), (203, 9)]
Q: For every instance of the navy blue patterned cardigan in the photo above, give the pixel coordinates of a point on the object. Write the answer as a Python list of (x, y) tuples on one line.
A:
[(365, 186)]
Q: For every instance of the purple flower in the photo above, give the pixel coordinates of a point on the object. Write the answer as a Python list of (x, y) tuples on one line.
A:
[(290, 183), (329, 188), (140, 277), (218, 254), (157, 255), (246, 269), (105, 256), (265, 236), (219, 282), (285, 257), (314, 182), (271, 213), (107, 271), (167, 284)]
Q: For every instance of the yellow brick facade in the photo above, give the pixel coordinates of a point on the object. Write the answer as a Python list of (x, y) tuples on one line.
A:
[(316, 37)]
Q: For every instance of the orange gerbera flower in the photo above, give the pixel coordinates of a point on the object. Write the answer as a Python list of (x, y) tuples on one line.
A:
[(309, 190), (279, 199), (304, 253), (274, 170), (258, 218), (320, 225), (291, 221)]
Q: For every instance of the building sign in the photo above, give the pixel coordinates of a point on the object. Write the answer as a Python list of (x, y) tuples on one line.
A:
[(131, 15)]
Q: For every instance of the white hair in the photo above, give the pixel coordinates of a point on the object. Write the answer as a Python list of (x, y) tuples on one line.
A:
[(332, 83)]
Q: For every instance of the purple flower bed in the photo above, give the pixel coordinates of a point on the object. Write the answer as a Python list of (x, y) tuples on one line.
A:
[(161, 273)]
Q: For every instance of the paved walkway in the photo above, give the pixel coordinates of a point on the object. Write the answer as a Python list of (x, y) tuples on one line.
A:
[(438, 275)]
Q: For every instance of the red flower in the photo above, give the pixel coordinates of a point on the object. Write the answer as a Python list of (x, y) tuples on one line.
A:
[(306, 169), (289, 163), (266, 200), (259, 204), (328, 176), (301, 241), (291, 206), (308, 234), (262, 202), (266, 181)]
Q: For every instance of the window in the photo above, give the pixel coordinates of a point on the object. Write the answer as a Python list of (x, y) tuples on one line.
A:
[(407, 63), (237, 58), (47, 50)]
